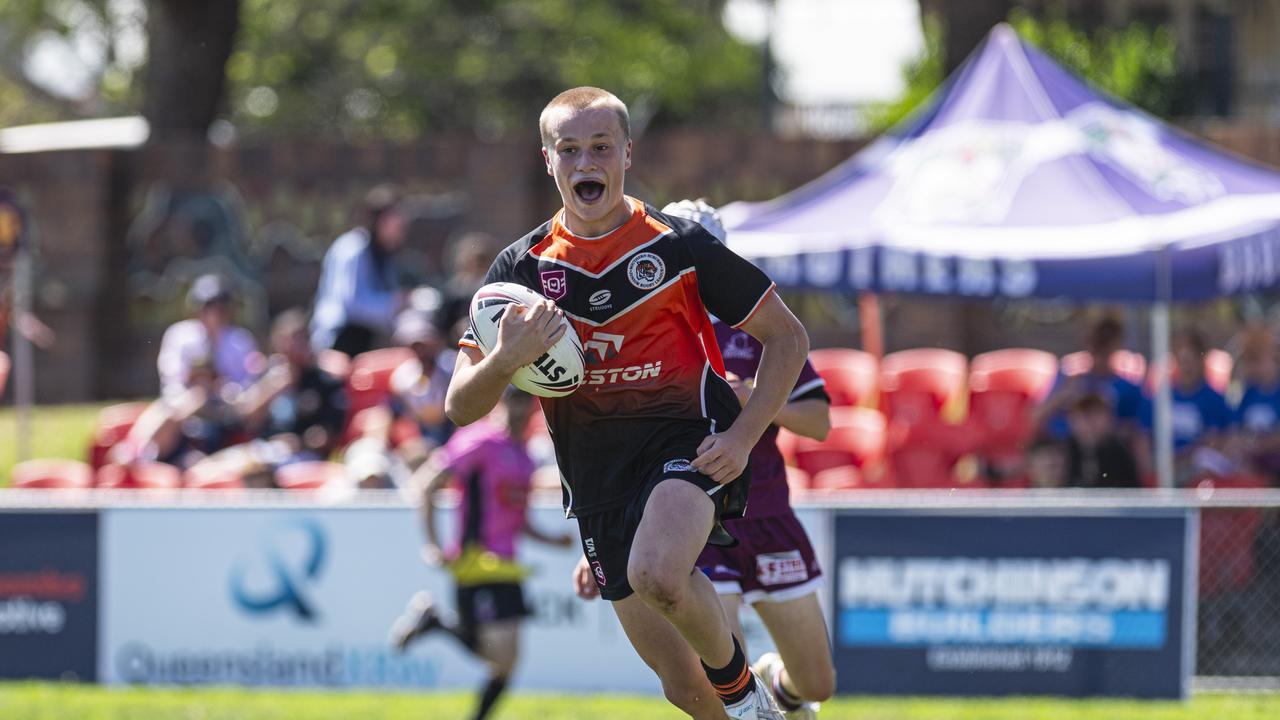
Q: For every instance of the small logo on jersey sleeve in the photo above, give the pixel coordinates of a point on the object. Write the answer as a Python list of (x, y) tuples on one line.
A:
[(646, 271), (554, 284)]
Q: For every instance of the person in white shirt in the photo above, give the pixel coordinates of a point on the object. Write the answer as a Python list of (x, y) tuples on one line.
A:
[(207, 335), (359, 293)]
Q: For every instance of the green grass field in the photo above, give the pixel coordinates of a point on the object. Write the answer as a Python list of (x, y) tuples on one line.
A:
[(44, 701), (58, 431)]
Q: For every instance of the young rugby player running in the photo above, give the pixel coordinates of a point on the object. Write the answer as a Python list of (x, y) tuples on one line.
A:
[(653, 449), (774, 567)]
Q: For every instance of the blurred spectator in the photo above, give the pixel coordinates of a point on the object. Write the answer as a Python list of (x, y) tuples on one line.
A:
[(1258, 414), (207, 334), (1201, 417), (398, 437), (1046, 464), (1097, 456), (1122, 396), (296, 409), (359, 292), (185, 428), (470, 258)]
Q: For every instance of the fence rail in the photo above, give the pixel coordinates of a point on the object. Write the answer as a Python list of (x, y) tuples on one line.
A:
[(1238, 621)]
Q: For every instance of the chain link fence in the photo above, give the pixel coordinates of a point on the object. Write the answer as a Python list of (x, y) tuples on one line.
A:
[(1238, 626)]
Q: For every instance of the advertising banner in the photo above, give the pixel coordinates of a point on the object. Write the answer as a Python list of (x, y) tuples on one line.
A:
[(965, 604), (48, 595), (301, 597)]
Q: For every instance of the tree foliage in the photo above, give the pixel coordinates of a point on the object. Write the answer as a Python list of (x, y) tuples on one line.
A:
[(1136, 63), (390, 68)]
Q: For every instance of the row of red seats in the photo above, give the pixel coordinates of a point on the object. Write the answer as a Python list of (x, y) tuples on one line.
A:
[(64, 474), (896, 422)]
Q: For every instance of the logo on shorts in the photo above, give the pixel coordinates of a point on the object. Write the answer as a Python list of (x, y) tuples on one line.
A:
[(590, 544), (781, 568), (599, 299), (598, 571), (554, 284), (680, 465), (646, 271)]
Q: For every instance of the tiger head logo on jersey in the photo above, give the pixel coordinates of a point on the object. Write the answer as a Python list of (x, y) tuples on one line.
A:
[(646, 271)]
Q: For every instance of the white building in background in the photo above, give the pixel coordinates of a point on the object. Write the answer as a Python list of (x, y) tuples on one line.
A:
[(833, 57)]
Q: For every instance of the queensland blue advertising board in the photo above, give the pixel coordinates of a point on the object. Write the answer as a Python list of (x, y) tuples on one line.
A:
[(969, 604), (49, 595)]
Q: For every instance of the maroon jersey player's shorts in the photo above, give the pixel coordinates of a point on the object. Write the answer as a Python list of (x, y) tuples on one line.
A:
[(773, 560)]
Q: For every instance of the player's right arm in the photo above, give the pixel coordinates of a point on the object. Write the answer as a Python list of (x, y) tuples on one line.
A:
[(438, 477), (524, 335)]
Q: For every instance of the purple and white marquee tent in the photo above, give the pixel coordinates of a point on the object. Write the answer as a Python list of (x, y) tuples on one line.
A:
[(1019, 181)]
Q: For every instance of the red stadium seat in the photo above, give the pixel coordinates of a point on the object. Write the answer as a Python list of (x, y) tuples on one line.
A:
[(213, 477), (142, 476), (334, 362), (369, 383), (1004, 388), (310, 475), (1127, 364), (926, 454), (841, 478), (1227, 536), (53, 473), (798, 481), (857, 438), (852, 376), (113, 424), (916, 385)]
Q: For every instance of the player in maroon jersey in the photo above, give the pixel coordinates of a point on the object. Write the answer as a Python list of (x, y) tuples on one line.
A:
[(653, 448)]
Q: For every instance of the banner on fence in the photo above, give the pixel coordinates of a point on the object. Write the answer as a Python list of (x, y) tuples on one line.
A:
[(1014, 604), (48, 595), (293, 597)]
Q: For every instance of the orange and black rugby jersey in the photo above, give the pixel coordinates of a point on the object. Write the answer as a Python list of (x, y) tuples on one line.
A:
[(639, 299)]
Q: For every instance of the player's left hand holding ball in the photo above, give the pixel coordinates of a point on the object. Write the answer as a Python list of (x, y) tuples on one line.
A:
[(524, 334), (723, 456)]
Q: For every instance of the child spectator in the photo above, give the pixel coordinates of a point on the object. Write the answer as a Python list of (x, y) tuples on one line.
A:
[(1097, 456), (1122, 396), (1258, 414), (1201, 417)]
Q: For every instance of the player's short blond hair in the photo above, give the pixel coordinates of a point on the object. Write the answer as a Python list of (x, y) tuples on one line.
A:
[(581, 98)]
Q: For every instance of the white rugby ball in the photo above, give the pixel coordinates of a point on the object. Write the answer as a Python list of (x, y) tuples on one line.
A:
[(557, 373)]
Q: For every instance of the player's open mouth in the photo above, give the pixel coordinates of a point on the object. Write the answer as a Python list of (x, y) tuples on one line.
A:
[(589, 191)]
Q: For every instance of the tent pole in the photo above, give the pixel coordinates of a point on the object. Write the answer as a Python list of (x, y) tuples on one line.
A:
[(871, 323), (1160, 331), (1164, 394)]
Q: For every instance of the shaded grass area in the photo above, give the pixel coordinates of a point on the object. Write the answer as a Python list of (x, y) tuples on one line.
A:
[(49, 701), (58, 431)]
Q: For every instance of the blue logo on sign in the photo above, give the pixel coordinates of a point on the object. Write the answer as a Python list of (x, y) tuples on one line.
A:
[(290, 572)]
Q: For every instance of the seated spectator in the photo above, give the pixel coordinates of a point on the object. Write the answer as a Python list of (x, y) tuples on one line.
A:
[(1201, 417), (1122, 396), (207, 334), (1258, 414), (1097, 456), (1046, 465), (398, 437), (183, 429), (296, 410), (359, 293)]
